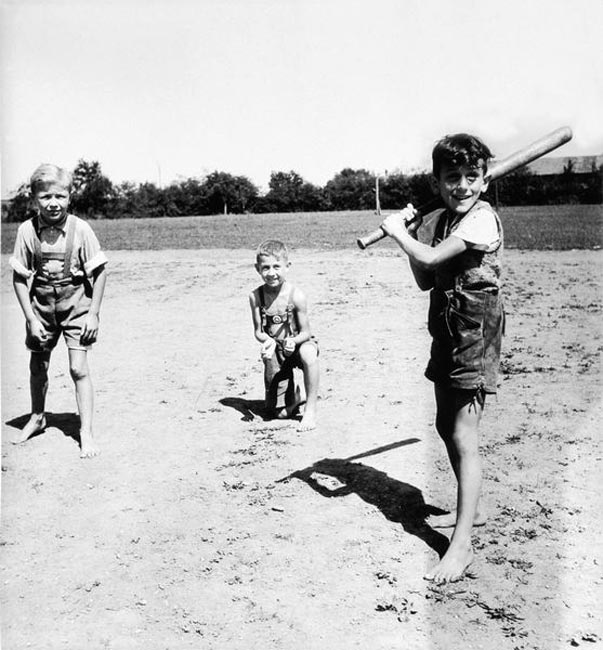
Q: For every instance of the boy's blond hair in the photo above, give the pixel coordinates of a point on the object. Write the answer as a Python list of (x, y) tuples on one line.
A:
[(272, 248), (48, 174)]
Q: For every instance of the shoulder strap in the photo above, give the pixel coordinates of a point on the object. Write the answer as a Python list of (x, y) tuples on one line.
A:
[(37, 246), (263, 316), (439, 232), (291, 315), (69, 239)]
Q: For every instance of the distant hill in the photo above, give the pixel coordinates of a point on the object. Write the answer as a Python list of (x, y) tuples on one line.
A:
[(556, 165)]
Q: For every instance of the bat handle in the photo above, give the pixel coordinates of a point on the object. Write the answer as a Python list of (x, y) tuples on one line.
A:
[(371, 238), (379, 234)]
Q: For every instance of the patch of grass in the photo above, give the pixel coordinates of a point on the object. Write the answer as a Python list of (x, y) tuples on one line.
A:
[(553, 227), (558, 227)]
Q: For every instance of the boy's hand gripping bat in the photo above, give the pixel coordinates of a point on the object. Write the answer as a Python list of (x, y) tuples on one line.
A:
[(497, 169)]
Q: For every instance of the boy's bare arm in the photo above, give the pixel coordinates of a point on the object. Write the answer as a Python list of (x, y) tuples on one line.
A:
[(425, 279), (424, 256), (22, 292), (256, 316), (99, 276), (301, 313), (91, 324)]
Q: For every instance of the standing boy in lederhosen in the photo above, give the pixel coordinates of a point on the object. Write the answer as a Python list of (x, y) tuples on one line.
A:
[(59, 278), (461, 265)]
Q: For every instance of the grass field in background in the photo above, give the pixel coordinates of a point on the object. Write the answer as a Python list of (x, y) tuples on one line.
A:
[(533, 228)]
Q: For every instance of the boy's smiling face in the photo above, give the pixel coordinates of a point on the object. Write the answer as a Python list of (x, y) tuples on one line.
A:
[(52, 202), (273, 270), (460, 186)]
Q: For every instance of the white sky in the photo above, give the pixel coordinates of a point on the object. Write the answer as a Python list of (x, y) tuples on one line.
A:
[(166, 89)]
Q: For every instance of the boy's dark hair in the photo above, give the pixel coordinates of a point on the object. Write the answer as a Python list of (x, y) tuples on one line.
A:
[(460, 149), (272, 248)]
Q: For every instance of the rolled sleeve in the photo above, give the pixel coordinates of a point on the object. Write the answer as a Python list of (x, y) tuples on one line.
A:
[(21, 261), (92, 255), (479, 229), (100, 259), (18, 268)]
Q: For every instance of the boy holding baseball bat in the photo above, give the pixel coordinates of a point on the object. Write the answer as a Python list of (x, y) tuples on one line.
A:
[(280, 323), (59, 279), (461, 265)]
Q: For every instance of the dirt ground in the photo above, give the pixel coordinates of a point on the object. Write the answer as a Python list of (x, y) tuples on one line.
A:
[(202, 525)]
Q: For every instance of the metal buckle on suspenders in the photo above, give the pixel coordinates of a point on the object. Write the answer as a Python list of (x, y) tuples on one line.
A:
[(276, 319)]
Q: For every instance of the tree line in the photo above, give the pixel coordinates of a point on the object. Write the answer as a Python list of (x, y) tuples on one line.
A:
[(95, 196)]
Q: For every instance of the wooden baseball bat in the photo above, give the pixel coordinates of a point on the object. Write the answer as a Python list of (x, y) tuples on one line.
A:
[(497, 169)]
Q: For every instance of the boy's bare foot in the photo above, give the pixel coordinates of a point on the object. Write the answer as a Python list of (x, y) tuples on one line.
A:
[(35, 424), (88, 448), (308, 422), (452, 566), (449, 520)]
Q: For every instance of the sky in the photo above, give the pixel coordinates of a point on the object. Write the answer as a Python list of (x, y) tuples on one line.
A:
[(163, 90)]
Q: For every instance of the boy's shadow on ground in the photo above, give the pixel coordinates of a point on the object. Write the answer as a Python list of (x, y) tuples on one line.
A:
[(399, 502), (67, 423), (250, 408)]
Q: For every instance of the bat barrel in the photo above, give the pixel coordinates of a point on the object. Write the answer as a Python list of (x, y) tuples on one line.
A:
[(544, 145), (497, 169)]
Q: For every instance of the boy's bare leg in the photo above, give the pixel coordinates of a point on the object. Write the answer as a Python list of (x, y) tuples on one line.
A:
[(465, 440), (271, 398), (84, 395), (309, 357), (38, 387), (445, 423)]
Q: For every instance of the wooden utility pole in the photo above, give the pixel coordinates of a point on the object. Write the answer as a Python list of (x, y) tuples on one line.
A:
[(377, 202)]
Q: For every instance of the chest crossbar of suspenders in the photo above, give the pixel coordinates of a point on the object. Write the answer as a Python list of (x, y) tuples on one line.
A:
[(276, 319), (40, 257)]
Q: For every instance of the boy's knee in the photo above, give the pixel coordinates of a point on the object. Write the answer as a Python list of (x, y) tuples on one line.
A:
[(78, 371), (308, 353), (466, 441), (38, 364)]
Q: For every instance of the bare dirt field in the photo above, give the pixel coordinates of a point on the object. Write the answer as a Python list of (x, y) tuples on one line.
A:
[(202, 525)]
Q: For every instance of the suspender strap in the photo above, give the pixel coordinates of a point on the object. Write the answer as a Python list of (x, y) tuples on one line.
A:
[(69, 246), (289, 299), (38, 258), (37, 251), (262, 308), (287, 321)]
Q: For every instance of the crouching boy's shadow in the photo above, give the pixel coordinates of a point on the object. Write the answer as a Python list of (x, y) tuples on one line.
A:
[(67, 423), (398, 501), (250, 408)]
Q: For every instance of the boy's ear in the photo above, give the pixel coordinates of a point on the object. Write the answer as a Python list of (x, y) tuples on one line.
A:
[(434, 184)]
